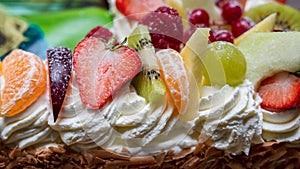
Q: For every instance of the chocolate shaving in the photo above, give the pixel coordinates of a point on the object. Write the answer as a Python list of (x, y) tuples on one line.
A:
[(266, 155)]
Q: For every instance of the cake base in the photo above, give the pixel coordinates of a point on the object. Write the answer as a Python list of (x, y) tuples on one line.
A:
[(267, 155)]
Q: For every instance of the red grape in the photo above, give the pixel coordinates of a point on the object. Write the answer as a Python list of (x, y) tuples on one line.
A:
[(241, 25), (199, 16), (220, 35), (232, 11)]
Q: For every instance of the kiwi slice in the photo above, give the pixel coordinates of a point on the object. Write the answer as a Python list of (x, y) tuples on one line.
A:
[(148, 83), (288, 18)]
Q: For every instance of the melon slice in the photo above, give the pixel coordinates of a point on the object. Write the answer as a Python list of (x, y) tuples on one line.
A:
[(270, 53), (266, 25)]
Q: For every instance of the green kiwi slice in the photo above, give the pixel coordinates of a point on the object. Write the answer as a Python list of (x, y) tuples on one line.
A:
[(148, 83), (288, 18)]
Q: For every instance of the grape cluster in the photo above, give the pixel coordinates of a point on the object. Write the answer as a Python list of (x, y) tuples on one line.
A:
[(232, 11)]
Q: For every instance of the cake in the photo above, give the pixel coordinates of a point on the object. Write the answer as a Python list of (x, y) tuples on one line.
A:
[(174, 97)]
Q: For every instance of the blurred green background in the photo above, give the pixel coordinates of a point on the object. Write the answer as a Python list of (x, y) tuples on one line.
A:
[(64, 22)]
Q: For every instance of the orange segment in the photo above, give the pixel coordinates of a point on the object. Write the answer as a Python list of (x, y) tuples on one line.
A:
[(25, 80), (0, 68), (175, 76)]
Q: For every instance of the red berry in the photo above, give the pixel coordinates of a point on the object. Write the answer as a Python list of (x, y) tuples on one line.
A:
[(100, 71), (232, 11), (220, 35), (137, 9), (281, 91), (59, 66), (165, 27), (101, 32), (199, 16), (221, 3), (241, 25)]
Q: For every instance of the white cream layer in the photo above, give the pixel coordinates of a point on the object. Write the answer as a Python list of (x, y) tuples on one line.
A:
[(29, 127), (281, 126)]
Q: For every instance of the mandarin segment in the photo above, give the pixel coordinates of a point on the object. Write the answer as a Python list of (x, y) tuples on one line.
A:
[(25, 80), (175, 76)]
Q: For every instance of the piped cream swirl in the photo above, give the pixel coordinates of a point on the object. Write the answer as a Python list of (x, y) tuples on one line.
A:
[(126, 121), (230, 118), (29, 128), (281, 126)]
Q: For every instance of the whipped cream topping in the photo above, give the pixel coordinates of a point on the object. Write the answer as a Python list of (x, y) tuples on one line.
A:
[(281, 126), (230, 118), (29, 127), (126, 121)]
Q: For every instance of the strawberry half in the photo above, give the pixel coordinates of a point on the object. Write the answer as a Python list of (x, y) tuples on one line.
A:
[(281, 91), (137, 9), (59, 66), (101, 71)]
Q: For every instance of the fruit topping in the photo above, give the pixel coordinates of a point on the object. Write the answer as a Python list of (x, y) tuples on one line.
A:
[(59, 67), (101, 69), (100, 32), (224, 64), (194, 53), (241, 25), (220, 35), (287, 17), (147, 83), (175, 76), (266, 25), (165, 27), (137, 9), (267, 53), (199, 17), (281, 91), (231, 11), (25, 80)]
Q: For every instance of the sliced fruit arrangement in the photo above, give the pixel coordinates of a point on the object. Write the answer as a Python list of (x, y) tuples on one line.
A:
[(25, 80), (287, 17), (224, 64), (137, 9), (102, 69), (280, 91), (59, 68), (148, 83), (269, 53)]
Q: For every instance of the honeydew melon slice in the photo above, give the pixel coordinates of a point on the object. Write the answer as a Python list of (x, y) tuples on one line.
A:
[(270, 53)]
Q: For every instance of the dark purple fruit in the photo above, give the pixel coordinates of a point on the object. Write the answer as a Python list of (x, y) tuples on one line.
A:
[(60, 66)]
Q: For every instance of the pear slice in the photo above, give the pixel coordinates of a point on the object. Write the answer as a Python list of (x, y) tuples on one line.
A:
[(194, 52), (266, 25), (270, 53)]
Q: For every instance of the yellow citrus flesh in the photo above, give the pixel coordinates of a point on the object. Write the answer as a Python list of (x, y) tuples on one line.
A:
[(25, 80)]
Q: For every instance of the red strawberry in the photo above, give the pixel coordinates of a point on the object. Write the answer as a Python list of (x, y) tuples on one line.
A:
[(101, 71), (137, 9), (100, 32), (59, 66), (281, 91)]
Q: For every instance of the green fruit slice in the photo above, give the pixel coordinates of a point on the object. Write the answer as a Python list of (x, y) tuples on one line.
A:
[(270, 53), (224, 64), (147, 83), (288, 18)]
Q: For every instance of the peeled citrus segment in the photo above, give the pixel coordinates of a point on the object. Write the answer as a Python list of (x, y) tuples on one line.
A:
[(0, 68), (266, 25), (25, 80), (175, 76)]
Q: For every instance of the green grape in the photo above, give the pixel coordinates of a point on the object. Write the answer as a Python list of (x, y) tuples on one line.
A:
[(224, 64)]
